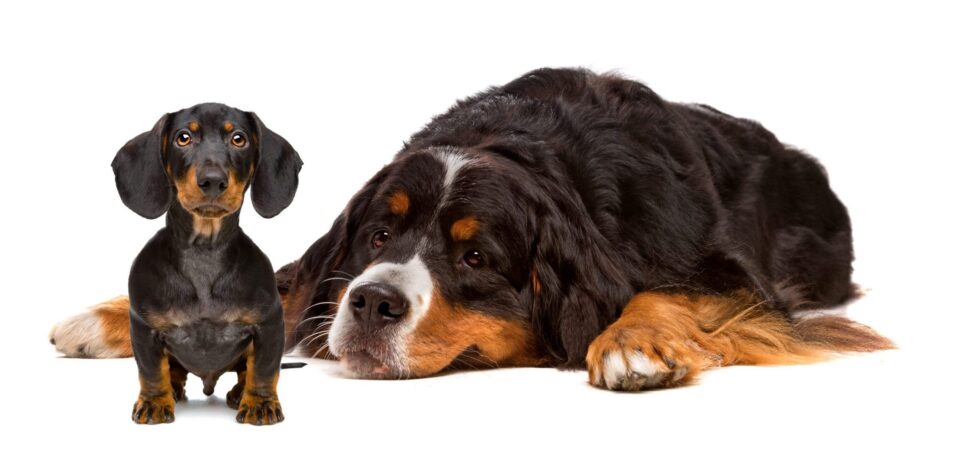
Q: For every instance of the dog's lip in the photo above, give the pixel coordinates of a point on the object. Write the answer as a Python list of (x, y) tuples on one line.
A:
[(211, 210), (361, 364)]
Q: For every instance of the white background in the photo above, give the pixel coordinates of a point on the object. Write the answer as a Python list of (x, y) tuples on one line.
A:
[(869, 89)]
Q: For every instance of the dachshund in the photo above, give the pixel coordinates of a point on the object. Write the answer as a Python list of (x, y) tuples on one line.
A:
[(203, 298)]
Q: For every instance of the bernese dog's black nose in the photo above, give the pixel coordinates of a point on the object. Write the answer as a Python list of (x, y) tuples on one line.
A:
[(378, 304)]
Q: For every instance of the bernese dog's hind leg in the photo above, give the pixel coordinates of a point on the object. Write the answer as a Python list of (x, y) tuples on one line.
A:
[(103, 331), (665, 339)]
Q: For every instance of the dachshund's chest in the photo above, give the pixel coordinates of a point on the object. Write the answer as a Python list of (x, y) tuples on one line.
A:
[(212, 320), (204, 273), (208, 348)]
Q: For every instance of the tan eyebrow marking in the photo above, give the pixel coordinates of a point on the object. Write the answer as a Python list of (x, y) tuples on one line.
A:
[(228, 126), (194, 126), (464, 228), (399, 203)]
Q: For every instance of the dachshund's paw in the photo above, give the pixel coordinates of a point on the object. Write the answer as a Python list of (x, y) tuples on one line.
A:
[(151, 410), (632, 359), (179, 392), (234, 395), (259, 410)]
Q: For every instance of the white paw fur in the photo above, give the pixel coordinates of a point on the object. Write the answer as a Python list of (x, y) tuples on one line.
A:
[(82, 336)]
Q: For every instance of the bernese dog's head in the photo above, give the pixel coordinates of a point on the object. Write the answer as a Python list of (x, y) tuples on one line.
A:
[(454, 257)]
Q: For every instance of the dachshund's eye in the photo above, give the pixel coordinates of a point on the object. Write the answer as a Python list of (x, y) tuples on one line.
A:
[(183, 138), (379, 238), (474, 259), (238, 139)]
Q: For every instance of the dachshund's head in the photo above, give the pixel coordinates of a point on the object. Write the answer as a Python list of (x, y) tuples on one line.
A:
[(207, 156)]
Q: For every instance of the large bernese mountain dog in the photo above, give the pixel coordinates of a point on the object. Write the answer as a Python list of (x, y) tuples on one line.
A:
[(568, 219)]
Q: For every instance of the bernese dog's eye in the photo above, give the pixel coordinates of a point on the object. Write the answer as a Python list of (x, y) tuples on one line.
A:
[(238, 140), (183, 138), (474, 259), (379, 238)]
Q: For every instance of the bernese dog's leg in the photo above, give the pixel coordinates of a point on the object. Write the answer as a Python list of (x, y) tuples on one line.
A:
[(665, 339), (103, 331)]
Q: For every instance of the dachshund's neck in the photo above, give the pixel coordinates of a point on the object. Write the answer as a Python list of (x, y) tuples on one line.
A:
[(195, 231)]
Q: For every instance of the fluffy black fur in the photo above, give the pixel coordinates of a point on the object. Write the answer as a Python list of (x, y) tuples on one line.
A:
[(600, 189)]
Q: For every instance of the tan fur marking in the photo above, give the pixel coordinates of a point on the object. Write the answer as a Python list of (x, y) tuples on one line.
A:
[(194, 126), (102, 331), (188, 191), (242, 316), (696, 332), (399, 203), (232, 197), (464, 228), (164, 321), (206, 227), (191, 196), (259, 402), (156, 400), (535, 283), (114, 316), (446, 331), (228, 126)]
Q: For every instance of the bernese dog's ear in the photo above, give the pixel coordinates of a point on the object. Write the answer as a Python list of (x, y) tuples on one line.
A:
[(577, 289), (312, 276)]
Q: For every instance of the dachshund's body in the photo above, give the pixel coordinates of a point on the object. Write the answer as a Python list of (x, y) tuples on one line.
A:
[(205, 303), (203, 298)]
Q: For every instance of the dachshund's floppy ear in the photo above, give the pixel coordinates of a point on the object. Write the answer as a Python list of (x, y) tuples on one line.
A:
[(275, 179), (138, 168)]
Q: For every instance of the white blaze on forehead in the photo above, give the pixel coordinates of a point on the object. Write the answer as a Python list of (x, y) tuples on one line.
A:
[(411, 278), (453, 159)]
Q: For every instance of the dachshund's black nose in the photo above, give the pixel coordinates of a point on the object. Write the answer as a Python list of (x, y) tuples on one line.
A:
[(377, 304), (212, 181)]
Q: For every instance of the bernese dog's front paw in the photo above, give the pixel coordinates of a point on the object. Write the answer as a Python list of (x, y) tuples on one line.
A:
[(640, 358), (259, 410), (151, 410)]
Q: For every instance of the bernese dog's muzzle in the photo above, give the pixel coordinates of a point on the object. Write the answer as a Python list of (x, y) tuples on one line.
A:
[(376, 315)]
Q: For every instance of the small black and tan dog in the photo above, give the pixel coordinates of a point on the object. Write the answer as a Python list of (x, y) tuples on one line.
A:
[(203, 298)]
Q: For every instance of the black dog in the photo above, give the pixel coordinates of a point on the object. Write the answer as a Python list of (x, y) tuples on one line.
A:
[(202, 295)]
